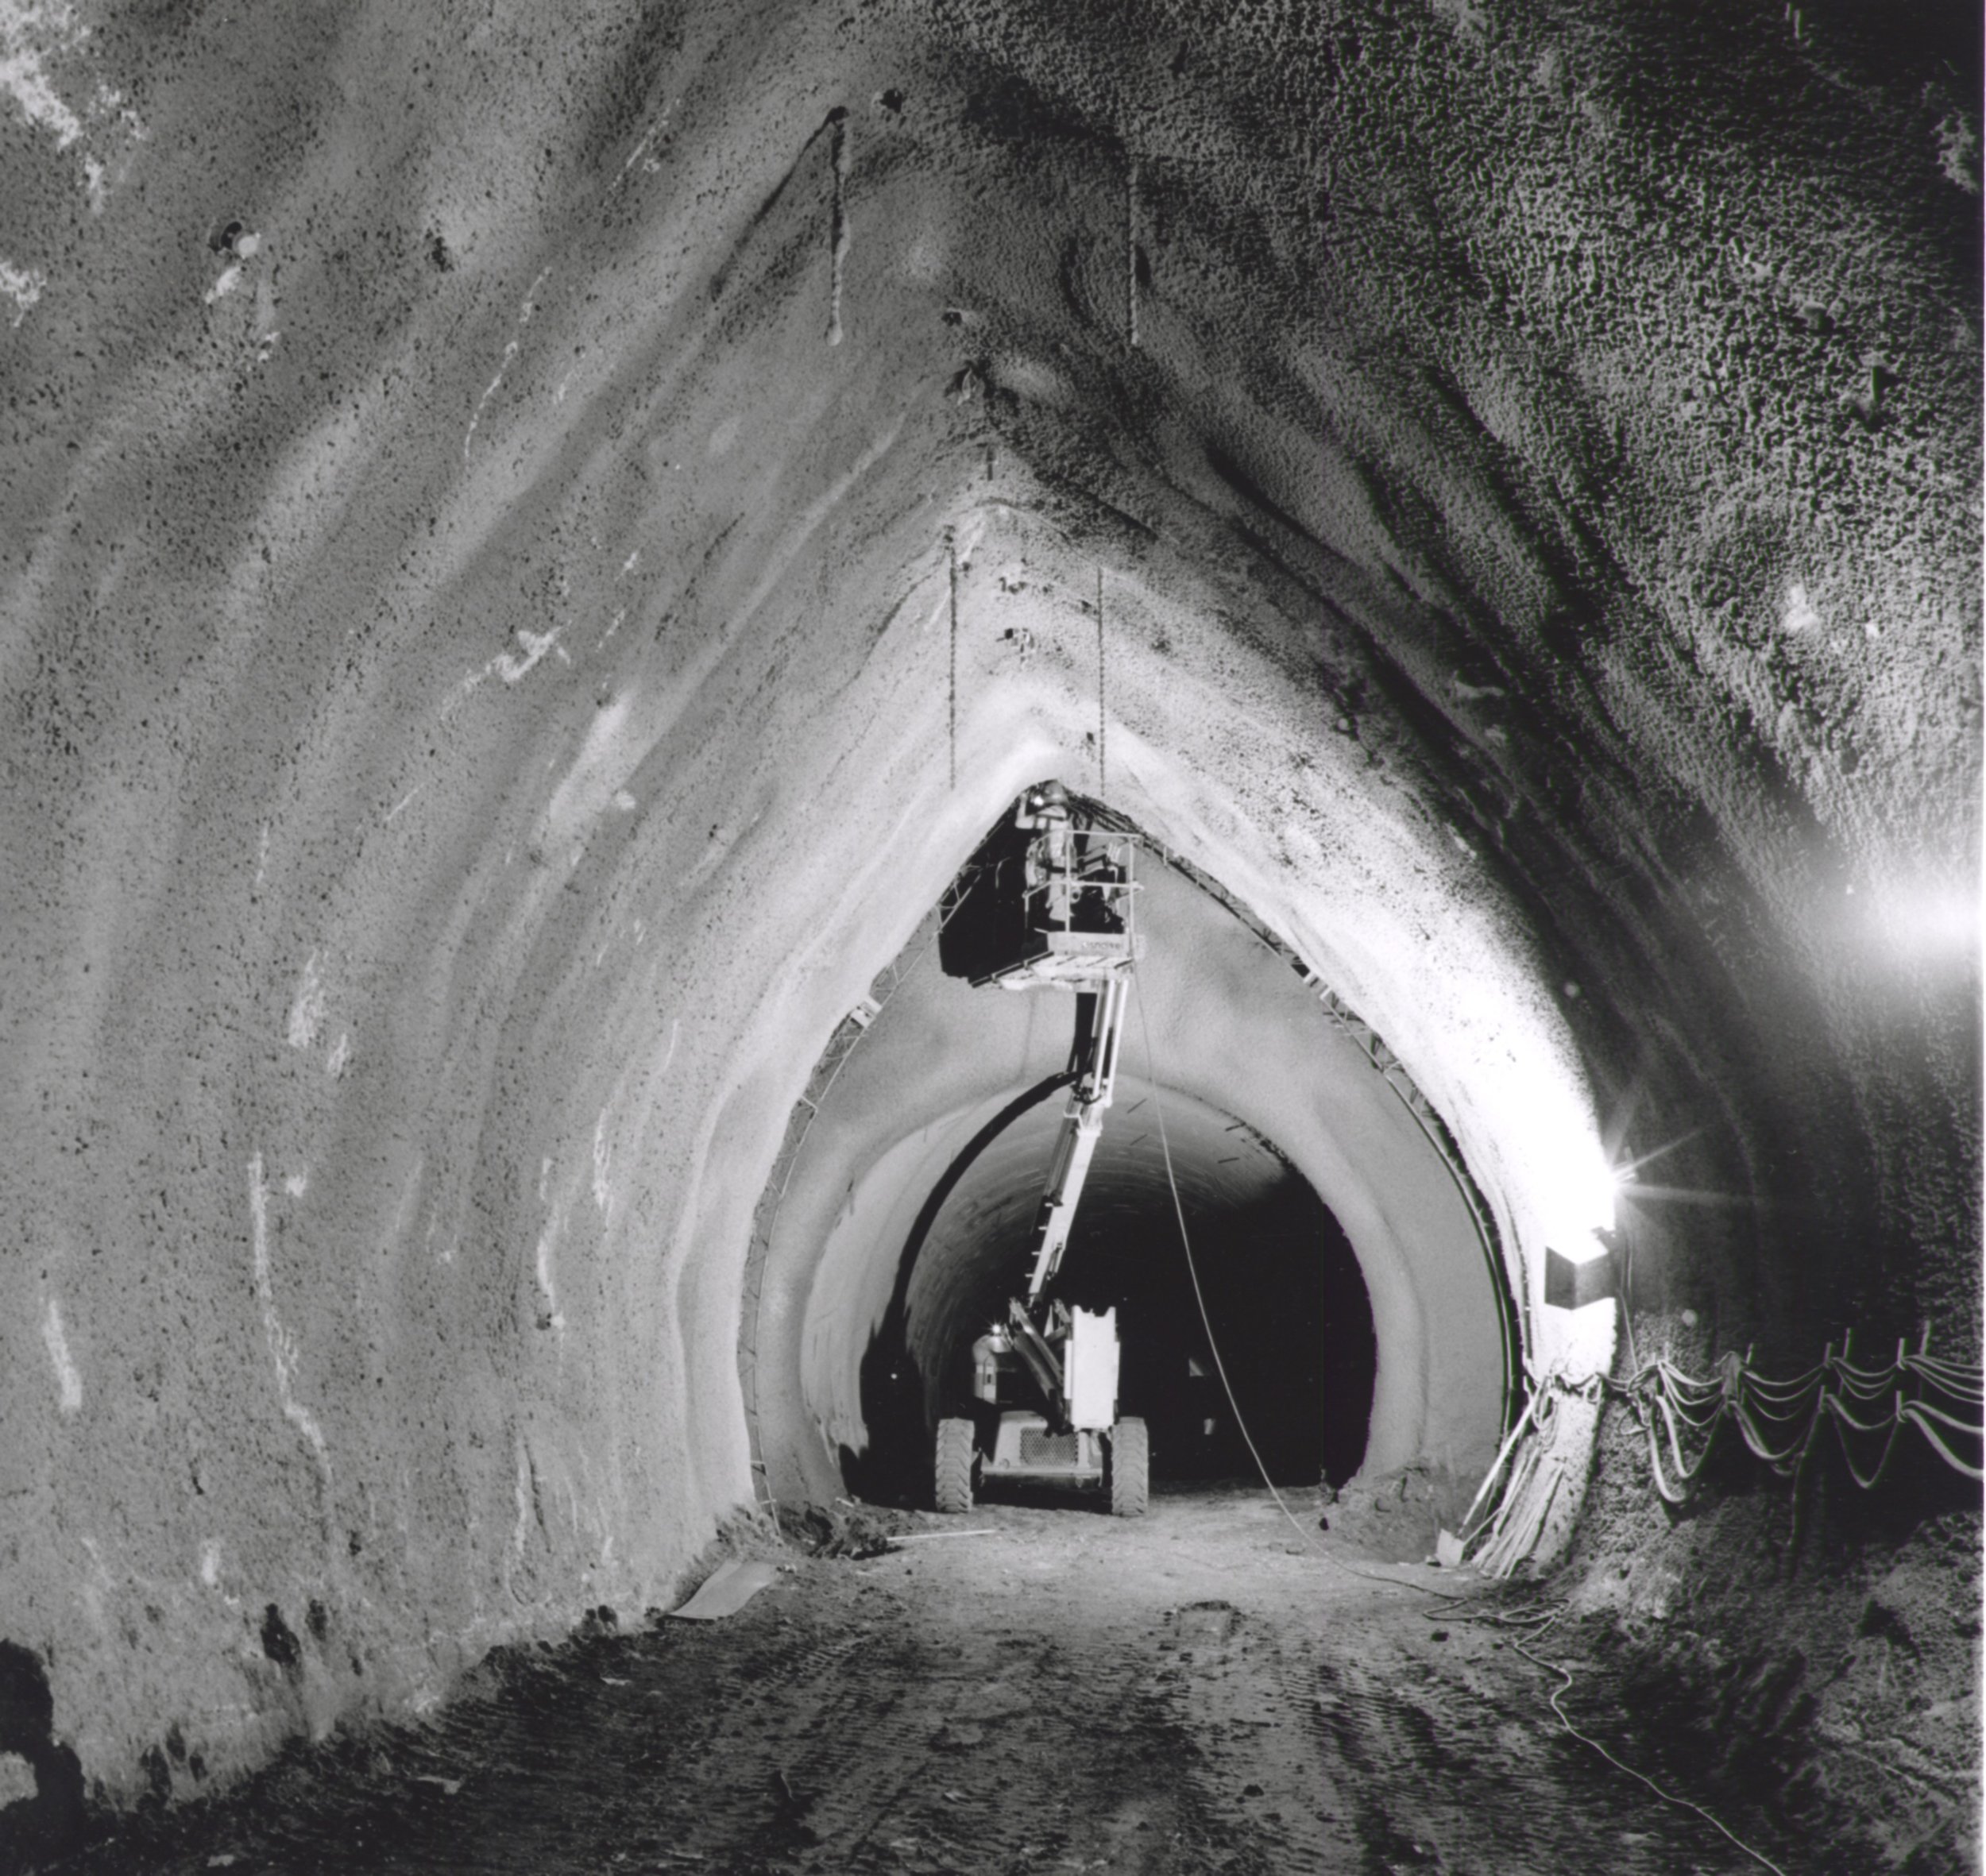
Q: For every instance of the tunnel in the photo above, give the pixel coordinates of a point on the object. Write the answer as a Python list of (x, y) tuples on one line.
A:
[(1286, 1317), (931, 1222), (537, 547)]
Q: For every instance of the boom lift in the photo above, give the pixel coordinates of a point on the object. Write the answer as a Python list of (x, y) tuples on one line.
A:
[(1062, 921)]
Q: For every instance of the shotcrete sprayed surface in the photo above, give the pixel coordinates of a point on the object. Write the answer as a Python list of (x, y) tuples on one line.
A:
[(478, 661)]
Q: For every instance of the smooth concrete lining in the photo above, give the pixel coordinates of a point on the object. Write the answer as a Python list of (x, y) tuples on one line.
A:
[(1233, 1032)]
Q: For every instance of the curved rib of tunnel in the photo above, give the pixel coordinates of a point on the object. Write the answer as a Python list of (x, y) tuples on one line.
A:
[(536, 542), (1290, 1150)]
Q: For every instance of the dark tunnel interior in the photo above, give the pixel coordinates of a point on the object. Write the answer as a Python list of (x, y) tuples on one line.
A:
[(1291, 1329), (1291, 1322)]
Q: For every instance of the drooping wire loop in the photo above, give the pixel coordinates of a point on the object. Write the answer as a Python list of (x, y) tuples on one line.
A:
[(1779, 1420)]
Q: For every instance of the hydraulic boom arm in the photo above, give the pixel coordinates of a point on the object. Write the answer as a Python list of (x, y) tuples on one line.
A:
[(1062, 919), (1082, 1126)]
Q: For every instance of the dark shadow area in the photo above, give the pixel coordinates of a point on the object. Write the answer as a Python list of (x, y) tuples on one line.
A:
[(1291, 1323), (1833, 1521), (896, 1468), (37, 1830), (1046, 1494), (1291, 1327), (985, 913)]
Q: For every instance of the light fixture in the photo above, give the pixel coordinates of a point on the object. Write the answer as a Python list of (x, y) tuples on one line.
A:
[(1588, 1271)]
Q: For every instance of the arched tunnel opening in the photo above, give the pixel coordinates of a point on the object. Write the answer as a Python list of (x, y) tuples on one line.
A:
[(1278, 1369), (1244, 1327), (1303, 1280)]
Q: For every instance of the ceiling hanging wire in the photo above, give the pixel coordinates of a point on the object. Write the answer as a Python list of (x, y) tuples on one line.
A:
[(1130, 253), (1102, 772), (951, 553)]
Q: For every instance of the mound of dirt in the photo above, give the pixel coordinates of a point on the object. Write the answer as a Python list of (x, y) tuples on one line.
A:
[(1397, 1514)]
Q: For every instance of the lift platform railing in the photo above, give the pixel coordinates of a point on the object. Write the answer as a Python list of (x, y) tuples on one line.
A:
[(1078, 912)]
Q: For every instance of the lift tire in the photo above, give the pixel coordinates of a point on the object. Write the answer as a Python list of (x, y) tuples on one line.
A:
[(953, 1476), (1130, 1469)]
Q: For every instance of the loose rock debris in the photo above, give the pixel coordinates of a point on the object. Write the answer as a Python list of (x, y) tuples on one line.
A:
[(844, 1529), (1170, 1696)]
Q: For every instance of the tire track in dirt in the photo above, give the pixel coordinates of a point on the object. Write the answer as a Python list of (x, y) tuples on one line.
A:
[(994, 1750), (1443, 1777), (1261, 1771), (1188, 1694)]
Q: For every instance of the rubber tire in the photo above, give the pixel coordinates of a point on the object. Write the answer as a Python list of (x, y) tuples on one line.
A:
[(953, 1473), (1130, 1469)]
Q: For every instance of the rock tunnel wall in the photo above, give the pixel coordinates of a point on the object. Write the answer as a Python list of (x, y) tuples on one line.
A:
[(496, 501)]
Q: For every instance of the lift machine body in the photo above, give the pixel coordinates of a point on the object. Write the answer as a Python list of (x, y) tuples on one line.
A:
[(1058, 913)]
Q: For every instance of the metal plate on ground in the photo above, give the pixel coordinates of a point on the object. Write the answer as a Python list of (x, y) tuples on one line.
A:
[(727, 1590)]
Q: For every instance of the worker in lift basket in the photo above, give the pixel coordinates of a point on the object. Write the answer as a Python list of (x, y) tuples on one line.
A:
[(1051, 854), (1076, 897)]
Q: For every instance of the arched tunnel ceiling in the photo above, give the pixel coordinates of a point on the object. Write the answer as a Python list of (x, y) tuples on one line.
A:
[(494, 503), (929, 1147)]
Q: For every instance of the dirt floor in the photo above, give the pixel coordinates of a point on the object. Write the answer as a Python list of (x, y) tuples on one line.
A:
[(1034, 1687)]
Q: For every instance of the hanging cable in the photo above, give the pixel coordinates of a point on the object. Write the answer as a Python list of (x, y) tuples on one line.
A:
[(1627, 1303), (1510, 1497), (1248, 1437), (1213, 1347), (1779, 1420), (1102, 722), (951, 551)]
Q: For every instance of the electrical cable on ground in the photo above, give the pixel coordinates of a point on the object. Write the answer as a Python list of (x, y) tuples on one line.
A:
[(1552, 1695), (1675, 1395), (1220, 1369)]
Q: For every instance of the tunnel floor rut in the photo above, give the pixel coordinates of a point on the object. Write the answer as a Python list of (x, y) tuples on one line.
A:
[(1199, 1691)]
